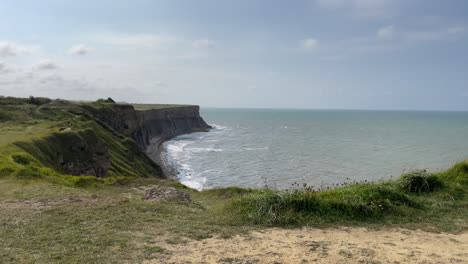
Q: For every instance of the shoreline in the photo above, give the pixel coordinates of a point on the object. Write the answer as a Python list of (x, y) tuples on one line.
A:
[(157, 151)]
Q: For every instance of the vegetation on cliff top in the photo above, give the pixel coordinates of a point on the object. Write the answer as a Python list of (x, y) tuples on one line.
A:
[(61, 138)]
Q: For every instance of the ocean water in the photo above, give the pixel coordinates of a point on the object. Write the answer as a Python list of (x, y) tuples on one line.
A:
[(277, 148)]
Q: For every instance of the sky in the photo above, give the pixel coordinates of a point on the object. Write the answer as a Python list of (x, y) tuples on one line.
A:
[(317, 54)]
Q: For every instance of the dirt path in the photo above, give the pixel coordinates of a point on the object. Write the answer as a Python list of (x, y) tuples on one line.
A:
[(343, 245)]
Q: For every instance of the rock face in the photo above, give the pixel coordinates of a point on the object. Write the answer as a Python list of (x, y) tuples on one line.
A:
[(154, 126), (97, 164), (161, 124)]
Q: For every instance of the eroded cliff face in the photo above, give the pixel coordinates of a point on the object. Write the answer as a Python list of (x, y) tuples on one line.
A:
[(152, 126), (158, 125)]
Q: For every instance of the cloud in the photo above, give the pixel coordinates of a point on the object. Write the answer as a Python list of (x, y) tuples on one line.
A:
[(11, 49), (203, 44), (388, 39), (5, 68), (363, 8), (456, 30), (415, 36), (79, 49), (310, 44), (136, 40), (45, 65), (387, 32), (431, 35)]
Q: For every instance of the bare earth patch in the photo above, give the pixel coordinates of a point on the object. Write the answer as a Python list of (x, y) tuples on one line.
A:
[(309, 245)]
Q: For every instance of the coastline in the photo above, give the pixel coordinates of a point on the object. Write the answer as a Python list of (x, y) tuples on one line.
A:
[(157, 151)]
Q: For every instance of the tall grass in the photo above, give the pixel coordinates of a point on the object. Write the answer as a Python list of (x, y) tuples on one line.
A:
[(412, 194)]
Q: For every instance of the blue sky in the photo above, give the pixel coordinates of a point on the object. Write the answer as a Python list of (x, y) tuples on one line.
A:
[(345, 54)]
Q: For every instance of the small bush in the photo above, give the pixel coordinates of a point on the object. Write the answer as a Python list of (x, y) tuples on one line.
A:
[(6, 171), (38, 100), (85, 181), (420, 181), (29, 172), (22, 158)]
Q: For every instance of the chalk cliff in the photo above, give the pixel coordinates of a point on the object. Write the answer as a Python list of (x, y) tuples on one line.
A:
[(150, 128), (152, 125)]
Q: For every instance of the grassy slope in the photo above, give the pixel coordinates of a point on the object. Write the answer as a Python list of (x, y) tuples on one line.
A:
[(45, 222), (39, 131)]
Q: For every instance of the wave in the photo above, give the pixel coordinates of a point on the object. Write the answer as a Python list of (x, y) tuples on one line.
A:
[(196, 150), (264, 148)]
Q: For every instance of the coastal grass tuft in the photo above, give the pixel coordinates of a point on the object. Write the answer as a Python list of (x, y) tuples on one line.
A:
[(420, 181), (407, 200)]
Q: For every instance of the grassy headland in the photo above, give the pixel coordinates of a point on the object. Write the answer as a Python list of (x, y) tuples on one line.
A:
[(50, 216)]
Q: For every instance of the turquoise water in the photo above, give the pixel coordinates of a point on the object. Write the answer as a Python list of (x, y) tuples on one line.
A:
[(254, 148)]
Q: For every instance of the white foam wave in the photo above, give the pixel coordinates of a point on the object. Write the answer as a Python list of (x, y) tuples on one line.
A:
[(179, 153), (196, 150), (249, 149), (218, 127)]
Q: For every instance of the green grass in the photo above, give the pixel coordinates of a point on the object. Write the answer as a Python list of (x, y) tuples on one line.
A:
[(145, 107), (435, 200), (51, 131), (45, 222), (100, 224)]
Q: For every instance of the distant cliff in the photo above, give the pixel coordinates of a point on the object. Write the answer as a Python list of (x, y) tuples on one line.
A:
[(101, 138), (158, 125), (153, 125)]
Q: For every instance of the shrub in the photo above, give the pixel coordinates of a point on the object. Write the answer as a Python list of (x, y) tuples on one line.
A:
[(38, 100), (6, 171), (22, 158), (420, 181), (29, 172)]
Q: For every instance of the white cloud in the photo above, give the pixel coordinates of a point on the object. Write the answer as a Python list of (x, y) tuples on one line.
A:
[(45, 65), (415, 36), (456, 30), (310, 44), (432, 35), (79, 49), (387, 32), (5, 68), (11, 49), (203, 44), (136, 40), (364, 8)]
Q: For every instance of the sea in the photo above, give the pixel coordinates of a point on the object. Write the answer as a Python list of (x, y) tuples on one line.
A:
[(281, 149)]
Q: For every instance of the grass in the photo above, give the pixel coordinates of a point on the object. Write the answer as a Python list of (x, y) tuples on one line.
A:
[(145, 107), (45, 222), (61, 132), (100, 224), (433, 200)]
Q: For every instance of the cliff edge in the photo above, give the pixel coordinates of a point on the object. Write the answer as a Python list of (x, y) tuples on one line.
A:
[(40, 136), (151, 125)]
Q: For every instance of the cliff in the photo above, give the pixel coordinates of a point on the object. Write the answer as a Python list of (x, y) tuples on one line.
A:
[(89, 138), (158, 125), (152, 125)]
